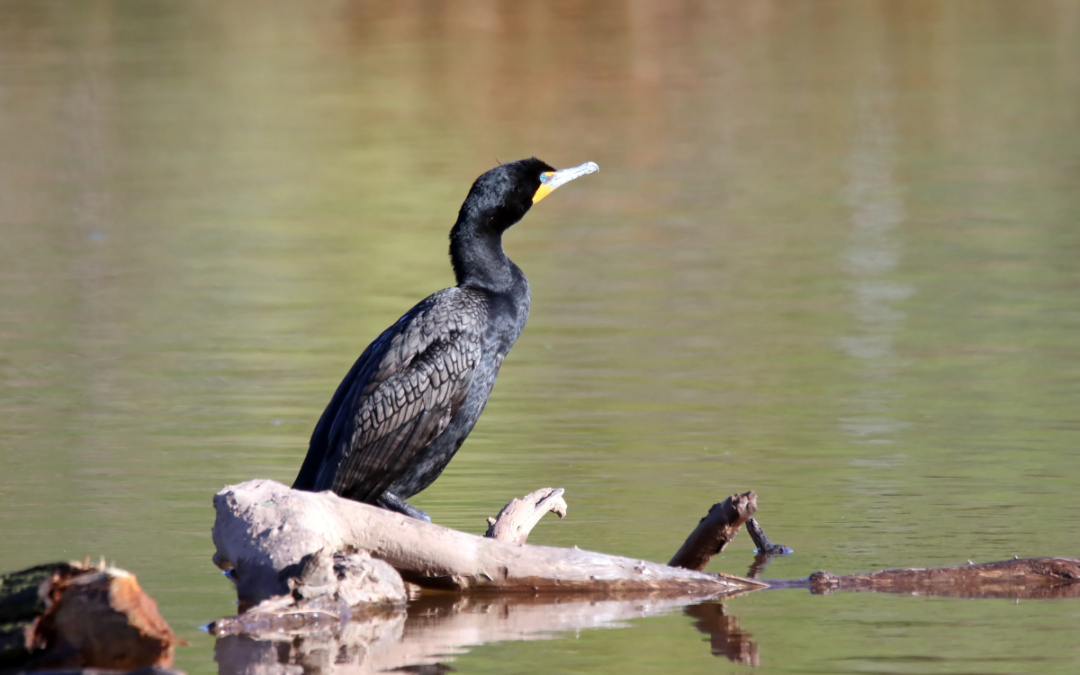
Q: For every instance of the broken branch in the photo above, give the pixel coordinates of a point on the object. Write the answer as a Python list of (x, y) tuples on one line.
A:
[(520, 516), (715, 531)]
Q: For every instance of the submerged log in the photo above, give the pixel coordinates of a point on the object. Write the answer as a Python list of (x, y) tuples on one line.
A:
[(71, 615), (264, 529), (1028, 578)]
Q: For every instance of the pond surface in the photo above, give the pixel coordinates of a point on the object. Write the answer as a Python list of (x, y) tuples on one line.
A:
[(832, 255)]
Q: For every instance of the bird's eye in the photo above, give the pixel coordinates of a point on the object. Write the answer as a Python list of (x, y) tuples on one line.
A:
[(543, 178)]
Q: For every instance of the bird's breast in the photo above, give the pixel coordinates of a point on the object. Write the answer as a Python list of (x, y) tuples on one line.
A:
[(506, 319)]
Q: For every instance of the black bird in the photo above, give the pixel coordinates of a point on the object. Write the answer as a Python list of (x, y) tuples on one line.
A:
[(415, 393)]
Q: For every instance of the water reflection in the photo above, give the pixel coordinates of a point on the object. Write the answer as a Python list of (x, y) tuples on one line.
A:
[(436, 627), (726, 638), (873, 249)]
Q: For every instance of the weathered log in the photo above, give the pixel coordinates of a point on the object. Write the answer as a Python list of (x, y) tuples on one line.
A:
[(77, 616), (715, 531), (1027, 578), (520, 516), (263, 529)]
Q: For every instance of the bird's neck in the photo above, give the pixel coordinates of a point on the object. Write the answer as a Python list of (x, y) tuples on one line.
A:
[(477, 255)]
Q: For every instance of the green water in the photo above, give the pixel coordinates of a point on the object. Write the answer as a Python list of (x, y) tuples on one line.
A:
[(832, 255)]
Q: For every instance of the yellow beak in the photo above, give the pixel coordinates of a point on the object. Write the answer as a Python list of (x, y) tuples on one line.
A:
[(549, 180)]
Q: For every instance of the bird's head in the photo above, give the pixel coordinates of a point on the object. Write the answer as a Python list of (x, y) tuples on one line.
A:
[(503, 195)]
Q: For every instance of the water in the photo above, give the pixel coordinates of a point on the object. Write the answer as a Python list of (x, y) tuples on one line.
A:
[(831, 256)]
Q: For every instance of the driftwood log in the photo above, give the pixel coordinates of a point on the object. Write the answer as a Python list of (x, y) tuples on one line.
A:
[(265, 532), (318, 546), (326, 552)]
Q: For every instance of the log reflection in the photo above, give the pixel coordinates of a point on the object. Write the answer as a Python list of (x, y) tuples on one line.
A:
[(726, 638), (436, 627)]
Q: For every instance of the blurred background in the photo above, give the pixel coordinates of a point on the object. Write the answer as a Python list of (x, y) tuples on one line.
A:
[(831, 255)]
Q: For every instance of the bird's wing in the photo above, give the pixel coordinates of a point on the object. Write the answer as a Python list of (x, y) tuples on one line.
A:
[(320, 444), (408, 397)]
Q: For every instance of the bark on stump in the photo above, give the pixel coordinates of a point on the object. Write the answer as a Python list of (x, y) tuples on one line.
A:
[(71, 615)]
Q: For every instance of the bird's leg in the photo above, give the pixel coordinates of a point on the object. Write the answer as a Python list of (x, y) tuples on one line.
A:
[(392, 502)]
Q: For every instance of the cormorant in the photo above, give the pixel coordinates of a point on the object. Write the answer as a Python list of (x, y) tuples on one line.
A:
[(415, 393)]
